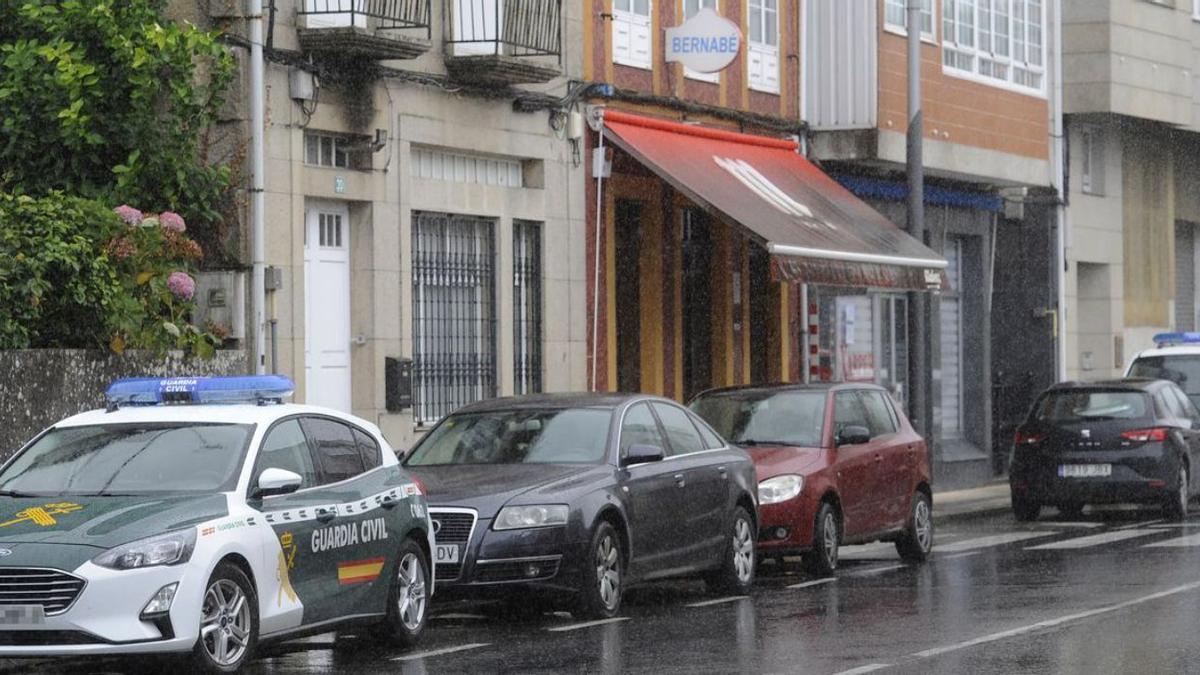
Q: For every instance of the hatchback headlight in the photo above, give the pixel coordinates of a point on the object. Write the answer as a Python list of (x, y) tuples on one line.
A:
[(779, 488), (521, 517), (172, 548)]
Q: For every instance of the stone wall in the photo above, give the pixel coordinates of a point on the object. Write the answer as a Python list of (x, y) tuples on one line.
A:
[(39, 387)]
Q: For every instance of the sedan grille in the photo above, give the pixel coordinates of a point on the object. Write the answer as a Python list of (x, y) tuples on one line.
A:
[(55, 591), (454, 528)]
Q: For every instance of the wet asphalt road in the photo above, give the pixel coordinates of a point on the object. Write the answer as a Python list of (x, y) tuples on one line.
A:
[(1111, 592)]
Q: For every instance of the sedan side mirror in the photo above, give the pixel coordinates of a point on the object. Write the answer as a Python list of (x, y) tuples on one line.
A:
[(277, 482), (643, 454), (852, 435)]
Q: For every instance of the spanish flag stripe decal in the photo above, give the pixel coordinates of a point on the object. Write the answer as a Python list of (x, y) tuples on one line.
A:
[(358, 571)]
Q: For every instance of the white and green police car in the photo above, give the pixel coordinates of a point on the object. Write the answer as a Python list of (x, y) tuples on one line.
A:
[(203, 516)]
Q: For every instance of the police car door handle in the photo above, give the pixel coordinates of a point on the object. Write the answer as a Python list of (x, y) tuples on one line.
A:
[(326, 515), (388, 503)]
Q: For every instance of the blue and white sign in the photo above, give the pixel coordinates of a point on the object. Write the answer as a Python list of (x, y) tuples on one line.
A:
[(705, 43)]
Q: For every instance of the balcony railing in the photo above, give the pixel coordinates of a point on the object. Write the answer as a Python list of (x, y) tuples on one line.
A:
[(504, 27), (379, 28)]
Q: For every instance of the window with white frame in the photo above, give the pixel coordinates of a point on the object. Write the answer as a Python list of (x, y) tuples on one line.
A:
[(690, 9), (996, 40), (334, 151), (1091, 151), (631, 34), (1196, 9), (895, 17), (762, 50)]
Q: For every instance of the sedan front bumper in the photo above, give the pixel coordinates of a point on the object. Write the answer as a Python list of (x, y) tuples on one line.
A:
[(499, 562)]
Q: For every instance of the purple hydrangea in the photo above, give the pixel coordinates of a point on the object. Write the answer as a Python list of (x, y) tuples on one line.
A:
[(171, 221), (181, 285), (130, 215)]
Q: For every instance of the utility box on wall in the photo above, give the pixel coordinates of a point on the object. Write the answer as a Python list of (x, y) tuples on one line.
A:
[(221, 300), (397, 375)]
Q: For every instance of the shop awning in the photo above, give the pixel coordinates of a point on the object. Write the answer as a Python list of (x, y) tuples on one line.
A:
[(815, 230)]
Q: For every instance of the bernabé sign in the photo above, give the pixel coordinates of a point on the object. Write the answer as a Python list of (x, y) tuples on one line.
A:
[(705, 43)]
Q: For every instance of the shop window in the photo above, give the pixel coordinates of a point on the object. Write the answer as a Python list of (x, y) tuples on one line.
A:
[(527, 307), (631, 35), (996, 41), (762, 50), (454, 313)]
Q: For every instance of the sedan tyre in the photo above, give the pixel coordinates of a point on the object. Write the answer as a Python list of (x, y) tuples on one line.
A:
[(1025, 509), (228, 623), (603, 577), (1176, 505), (822, 560), (916, 544), (408, 597), (736, 574)]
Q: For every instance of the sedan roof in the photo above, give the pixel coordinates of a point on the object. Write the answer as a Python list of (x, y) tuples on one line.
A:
[(557, 400)]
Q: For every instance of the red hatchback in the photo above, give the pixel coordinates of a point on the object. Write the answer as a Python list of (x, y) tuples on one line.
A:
[(837, 464)]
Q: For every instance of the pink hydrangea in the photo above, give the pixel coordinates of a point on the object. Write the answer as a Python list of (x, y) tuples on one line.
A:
[(130, 215), (171, 221), (181, 285)]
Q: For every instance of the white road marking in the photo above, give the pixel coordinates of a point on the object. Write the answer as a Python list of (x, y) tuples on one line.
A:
[(816, 582), (1059, 523), (586, 624), (718, 601), (453, 615), (1092, 540), (1134, 526), (869, 668), (986, 542), (1172, 526), (1189, 540), (966, 554), (439, 652), (1050, 623), (875, 570)]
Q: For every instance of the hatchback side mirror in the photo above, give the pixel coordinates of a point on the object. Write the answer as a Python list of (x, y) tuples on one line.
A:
[(643, 454), (277, 482), (852, 435)]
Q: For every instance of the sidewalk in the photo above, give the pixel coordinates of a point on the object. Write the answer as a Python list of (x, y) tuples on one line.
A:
[(986, 500)]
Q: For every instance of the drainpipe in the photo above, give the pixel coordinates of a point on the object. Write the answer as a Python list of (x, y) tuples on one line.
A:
[(1057, 180), (257, 185), (597, 163)]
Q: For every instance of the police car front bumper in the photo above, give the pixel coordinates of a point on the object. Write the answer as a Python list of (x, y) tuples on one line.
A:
[(107, 616)]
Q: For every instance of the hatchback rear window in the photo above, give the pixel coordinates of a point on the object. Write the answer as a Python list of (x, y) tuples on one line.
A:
[(1070, 406)]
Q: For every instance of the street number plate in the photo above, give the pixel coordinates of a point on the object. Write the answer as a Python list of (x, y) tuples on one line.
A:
[(22, 615), (446, 553), (1085, 470)]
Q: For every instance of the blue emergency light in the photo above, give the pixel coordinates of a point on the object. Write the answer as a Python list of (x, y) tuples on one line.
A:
[(258, 389), (1165, 339)]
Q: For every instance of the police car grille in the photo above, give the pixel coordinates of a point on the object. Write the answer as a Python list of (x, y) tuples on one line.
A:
[(53, 590)]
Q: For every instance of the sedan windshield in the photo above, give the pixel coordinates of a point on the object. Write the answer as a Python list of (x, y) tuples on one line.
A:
[(571, 436), (130, 459), (766, 418)]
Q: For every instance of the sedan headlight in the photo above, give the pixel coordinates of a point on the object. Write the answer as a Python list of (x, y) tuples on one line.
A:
[(522, 517), (779, 488), (172, 548)]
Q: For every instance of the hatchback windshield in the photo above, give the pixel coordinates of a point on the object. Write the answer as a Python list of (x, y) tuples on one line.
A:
[(130, 459), (570, 436), (1081, 406), (765, 418), (1182, 369)]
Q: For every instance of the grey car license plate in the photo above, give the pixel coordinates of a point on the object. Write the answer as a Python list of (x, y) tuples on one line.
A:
[(22, 615)]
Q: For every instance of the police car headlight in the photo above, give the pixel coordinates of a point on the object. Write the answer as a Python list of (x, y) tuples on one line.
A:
[(779, 488), (173, 548), (521, 517)]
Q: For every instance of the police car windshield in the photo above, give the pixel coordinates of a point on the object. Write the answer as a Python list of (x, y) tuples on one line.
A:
[(130, 459), (560, 436)]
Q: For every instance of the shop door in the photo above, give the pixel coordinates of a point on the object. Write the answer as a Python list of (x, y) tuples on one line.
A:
[(893, 346), (327, 306), (628, 305), (697, 303)]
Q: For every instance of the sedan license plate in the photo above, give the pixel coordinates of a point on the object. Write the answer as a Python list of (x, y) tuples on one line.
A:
[(446, 553), (1085, 470), (22, 615)]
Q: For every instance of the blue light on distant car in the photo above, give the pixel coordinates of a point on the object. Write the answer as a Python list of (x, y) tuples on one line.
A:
[(236, 389), (1164, 339)]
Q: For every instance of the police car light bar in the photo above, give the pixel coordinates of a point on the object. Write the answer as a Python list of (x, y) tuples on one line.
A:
[(1165, 339), (236, 389)]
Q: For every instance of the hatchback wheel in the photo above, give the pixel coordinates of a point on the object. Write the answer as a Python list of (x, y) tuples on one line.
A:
[(408, 597), (1176, 505), (1024, 508), (916, 543), (822, 560), (736, 573), (228, 622), (603, 578)]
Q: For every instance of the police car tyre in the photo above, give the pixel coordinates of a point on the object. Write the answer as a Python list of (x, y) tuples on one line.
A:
[(822, 559), (916, 543), (603, 579), (1025, 509), (738, 562), (228, 623), (408, 597)]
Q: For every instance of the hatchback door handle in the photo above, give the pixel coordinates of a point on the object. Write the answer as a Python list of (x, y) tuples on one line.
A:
[(878, 458), (326, 515)]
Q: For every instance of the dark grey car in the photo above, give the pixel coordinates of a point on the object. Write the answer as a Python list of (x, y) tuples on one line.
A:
[(578, 496)]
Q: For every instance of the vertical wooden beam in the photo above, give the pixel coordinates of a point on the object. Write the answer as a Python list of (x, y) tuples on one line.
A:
[(610, 280), (722, 306), (744, 256), (650, 291), (784, 309), (676, 226)]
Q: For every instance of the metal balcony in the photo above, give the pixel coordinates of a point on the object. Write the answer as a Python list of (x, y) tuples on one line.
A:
[(376, 29), (504, 42)]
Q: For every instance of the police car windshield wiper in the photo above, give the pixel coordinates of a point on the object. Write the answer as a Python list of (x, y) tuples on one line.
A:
[(108, 494), (17, 493)]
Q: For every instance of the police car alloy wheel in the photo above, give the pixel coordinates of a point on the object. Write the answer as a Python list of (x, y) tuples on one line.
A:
[(228, 622), (408, 599)]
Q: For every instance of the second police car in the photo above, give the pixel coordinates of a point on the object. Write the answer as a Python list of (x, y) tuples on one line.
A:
[(205, 529)]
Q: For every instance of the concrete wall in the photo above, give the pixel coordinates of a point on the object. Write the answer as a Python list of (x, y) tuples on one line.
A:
[(39, 387)]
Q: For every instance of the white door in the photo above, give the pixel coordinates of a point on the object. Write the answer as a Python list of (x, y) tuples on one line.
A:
[(327, 305)]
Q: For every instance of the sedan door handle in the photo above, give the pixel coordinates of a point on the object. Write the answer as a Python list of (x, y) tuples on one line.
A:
[(679, 480), (724, 474), (326, 515)]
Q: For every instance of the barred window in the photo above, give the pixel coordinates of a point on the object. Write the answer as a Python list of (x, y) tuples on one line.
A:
[(527, 307), (454, 313)]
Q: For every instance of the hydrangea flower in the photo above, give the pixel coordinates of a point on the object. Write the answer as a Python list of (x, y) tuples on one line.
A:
[(171, 221), (130, 215), (181, 285)]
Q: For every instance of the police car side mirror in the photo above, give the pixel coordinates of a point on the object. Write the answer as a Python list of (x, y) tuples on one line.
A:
[(277, 482)]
